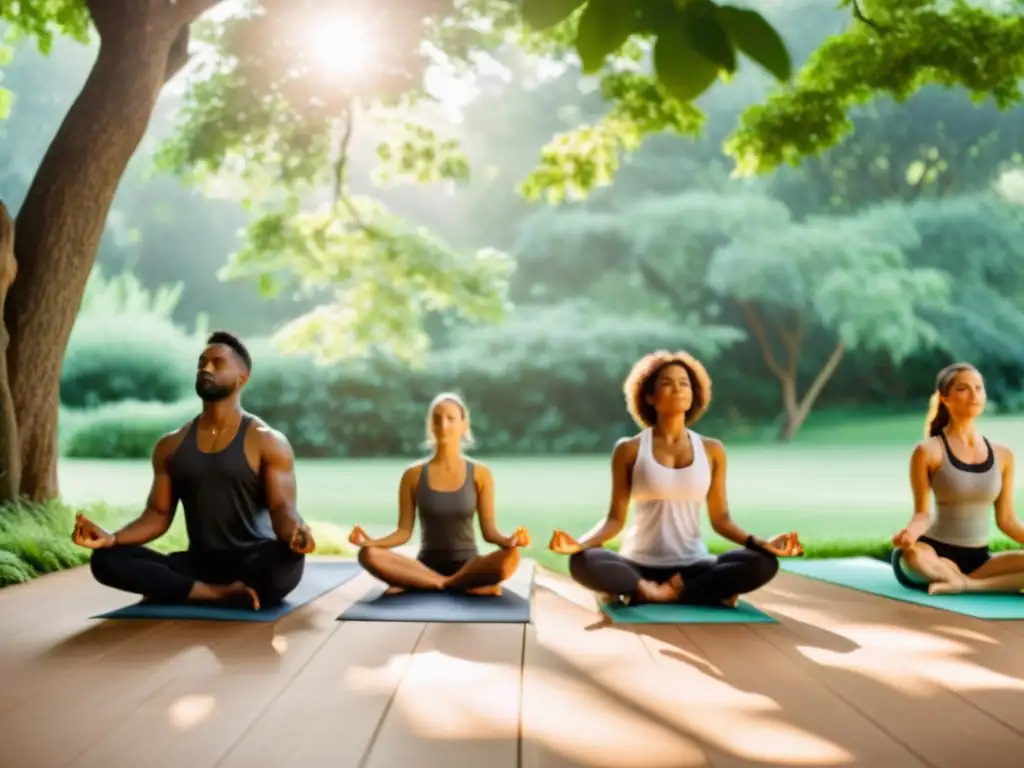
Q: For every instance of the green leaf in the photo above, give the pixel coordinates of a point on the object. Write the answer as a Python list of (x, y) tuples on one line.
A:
[(707, 34), (757, 39), (604, 26), (683, 72), (544, 14), (6, 97)]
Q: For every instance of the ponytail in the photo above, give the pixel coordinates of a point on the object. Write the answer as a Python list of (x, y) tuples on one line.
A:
[(937, 418), (938, 414)]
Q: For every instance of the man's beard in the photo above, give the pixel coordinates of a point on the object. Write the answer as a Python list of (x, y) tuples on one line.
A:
[(210, 392)]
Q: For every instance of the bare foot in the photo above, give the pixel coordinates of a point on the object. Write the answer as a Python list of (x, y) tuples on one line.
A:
[(666, 592), (953, 587), (731, 602), (238, 592), (493, 590), (394, 590)]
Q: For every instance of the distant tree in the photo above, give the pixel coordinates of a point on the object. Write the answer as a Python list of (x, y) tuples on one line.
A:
[(847, 276)]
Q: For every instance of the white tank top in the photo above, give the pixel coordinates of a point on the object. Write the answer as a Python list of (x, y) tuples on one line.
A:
[(667, 507)]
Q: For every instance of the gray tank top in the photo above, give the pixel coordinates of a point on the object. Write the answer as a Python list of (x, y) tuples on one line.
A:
[(964, 495), (446, 518)]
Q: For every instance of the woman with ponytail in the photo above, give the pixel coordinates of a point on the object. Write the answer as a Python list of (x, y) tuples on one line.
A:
[(968, 476)]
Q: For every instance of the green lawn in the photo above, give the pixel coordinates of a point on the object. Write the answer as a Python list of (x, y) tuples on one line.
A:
[(844, 484)]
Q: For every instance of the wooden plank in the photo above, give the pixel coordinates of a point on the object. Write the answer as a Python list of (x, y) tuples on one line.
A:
[(593, 696), (57, 640), (330, 713), (785, 716), (195, 718), (54, 727), (873, 653), (458, 702)]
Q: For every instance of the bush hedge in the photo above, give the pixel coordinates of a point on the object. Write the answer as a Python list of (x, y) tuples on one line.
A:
[(115, 358), (126, 430), (548, 382)]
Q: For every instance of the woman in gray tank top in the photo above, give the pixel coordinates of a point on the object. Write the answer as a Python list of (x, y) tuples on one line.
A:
[(445, 492), (969, 477)]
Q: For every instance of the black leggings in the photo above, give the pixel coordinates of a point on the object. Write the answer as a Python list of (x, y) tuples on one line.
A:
[(709, 583), (271, 568)]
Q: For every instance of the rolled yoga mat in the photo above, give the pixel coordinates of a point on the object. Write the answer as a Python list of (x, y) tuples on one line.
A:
[(865, 574), (676, 613), (318, 578), (511, 607)]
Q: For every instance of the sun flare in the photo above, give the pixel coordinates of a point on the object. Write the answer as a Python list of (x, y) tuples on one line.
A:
[(341, 46)]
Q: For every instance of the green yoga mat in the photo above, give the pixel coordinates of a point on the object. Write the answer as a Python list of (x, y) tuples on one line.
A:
[(866, 574), (673, 613)]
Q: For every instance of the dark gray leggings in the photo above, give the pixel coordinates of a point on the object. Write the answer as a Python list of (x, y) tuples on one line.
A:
[(736, 572), (271, 568)]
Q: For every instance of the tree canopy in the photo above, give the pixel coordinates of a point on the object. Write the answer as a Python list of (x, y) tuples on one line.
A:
[(275, 91)]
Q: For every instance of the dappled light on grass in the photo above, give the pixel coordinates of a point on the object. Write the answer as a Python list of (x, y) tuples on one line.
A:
[(187, 712)]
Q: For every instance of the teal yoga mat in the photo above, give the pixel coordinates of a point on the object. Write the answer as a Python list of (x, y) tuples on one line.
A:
[(673, 613), (875, 577), (318, 579), (511, 607)]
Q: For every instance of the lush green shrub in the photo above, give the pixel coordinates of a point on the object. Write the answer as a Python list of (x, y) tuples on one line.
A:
[(125, 430), (550, 381), (36, 539), (112, 358)]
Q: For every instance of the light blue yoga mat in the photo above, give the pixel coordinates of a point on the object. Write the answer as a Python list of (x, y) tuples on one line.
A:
[(866, 574), (511, 607), (318, 579), (675, 613)]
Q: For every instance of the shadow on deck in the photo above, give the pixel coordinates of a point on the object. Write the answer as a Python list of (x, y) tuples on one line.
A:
[(843, 679)]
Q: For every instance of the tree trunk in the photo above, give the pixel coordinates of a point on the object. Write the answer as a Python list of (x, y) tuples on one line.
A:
[(10, 458), (796, 412), (794, 408), (62, 219)]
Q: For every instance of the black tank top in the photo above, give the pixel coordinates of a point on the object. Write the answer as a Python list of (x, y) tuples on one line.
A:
[(222, 496)]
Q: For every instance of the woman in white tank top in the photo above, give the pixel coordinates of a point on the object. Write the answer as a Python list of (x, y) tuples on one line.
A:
[(669, 472)]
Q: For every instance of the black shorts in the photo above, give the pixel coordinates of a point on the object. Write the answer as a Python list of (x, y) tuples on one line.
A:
[(445, 563), (967, 559)]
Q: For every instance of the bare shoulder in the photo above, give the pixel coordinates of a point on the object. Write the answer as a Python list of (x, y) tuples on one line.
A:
[(713, 447), (481, 473), (411, 474), (626, 449), (1003, 452), (272, 442), (169, 444), (929, 450)]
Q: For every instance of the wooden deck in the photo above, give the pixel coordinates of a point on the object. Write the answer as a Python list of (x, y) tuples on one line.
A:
[(844, 679)]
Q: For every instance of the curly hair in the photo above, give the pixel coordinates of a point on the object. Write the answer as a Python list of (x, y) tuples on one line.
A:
[(642, 377)]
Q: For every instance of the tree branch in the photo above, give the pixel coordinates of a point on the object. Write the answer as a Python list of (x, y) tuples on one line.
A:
[(178, 56), (822, 379), (190, 10), (657, 282), (757, 328), (858, 14)]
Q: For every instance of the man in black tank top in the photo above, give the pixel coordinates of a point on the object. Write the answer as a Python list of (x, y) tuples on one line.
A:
[(235, 478)]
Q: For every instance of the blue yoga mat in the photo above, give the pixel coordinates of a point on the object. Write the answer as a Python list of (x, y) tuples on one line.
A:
[(674, 613), (318, 579), (511, 607), (866, 574)]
